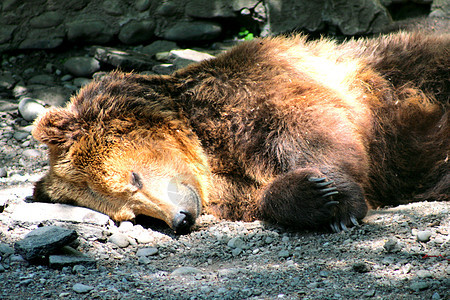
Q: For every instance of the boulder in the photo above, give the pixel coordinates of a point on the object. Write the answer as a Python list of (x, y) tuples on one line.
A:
[(193, 31), (43, 241)]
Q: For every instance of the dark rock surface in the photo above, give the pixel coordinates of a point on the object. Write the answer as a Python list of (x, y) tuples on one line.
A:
[(43, 241)]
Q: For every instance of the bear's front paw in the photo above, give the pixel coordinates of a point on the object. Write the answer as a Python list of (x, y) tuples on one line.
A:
[(341, 219), (310, 199)]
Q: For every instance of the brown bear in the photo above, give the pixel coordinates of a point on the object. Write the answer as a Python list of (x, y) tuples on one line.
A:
[(302, 133)]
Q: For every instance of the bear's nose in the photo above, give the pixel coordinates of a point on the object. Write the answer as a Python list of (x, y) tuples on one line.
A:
[(183, 222)]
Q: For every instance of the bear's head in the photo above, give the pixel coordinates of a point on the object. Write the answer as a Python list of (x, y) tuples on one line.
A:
[(121, 148)]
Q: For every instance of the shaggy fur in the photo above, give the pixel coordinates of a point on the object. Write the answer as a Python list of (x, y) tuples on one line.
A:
[(298, 133)]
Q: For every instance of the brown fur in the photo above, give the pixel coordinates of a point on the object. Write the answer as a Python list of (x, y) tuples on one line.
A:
[(258, 130)]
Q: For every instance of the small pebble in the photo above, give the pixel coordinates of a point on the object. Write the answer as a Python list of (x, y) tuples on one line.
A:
[(64, 294), (25, 282), (423, 236), (423, 274), (361, 267), (419, 286), (79, 269), (126, 226), (370, 293), (236, 242), (120, 240), (314, 285), (236, 251), (82, 288), (324, 274), (31, 153), (186, 271), (390, 244), (283, 253), (3, 172), (144, 260), (435, 296), (147, 252)]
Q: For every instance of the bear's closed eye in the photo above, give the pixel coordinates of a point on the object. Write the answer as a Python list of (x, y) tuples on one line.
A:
[(136, 180)]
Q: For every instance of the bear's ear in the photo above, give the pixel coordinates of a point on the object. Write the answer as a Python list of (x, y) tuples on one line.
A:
[(58, 127)]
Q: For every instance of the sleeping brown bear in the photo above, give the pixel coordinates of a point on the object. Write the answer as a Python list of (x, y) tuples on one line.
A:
[(304, 134)]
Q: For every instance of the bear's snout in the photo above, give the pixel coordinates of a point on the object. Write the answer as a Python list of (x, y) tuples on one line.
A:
[(183, 222), (188, 204)]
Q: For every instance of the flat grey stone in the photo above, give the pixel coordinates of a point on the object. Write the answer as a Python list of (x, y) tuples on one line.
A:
[(424, 274), (159, 46), (182, 271), (185, 57), (70, 258), (189, 54), (37, 212), (42, 79), (44, 240), (80, 288), (164, 69), (419, 285), (82, 66), (147, 252)]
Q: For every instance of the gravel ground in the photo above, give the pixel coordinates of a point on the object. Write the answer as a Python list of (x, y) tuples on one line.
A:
[(397, 253)]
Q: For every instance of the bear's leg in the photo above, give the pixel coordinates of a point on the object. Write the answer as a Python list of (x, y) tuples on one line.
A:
[(308, 198)]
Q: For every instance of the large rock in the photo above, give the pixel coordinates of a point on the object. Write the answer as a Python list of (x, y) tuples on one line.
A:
[(208, 9), (47, 19), (348, 16), (136, 32), (6, 33), (155, 47), (82, 66), (90, 31), (43, 241), (43, 38), (193, 31)]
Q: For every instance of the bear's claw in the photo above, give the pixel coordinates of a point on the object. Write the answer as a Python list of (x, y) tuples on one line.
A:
[(354, 221), (342, 226), (330, 204), (321, 183)]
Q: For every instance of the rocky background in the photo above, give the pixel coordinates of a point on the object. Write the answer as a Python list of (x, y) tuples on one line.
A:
[(49, 24), (49, 49)]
